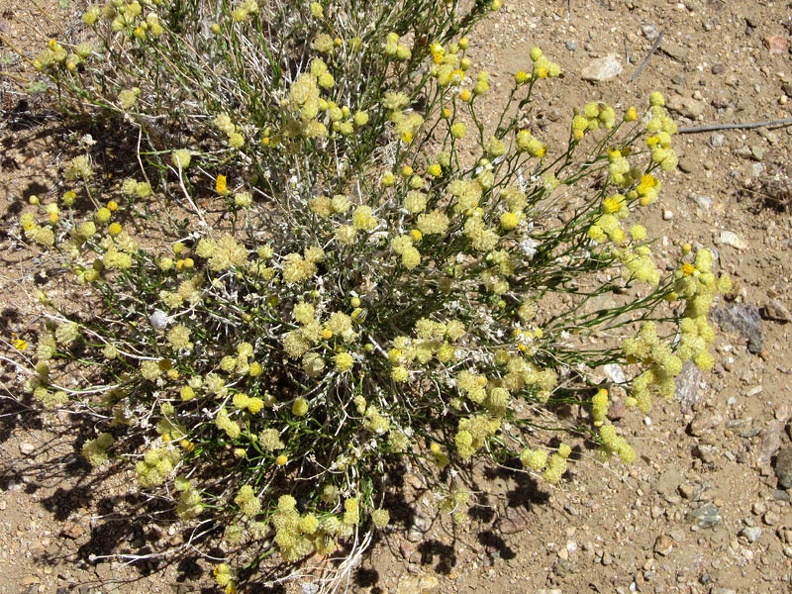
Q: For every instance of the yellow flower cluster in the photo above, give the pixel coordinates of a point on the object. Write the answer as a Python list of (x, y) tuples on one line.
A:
[(157, 464), (223, 253), (455, 502), (403, 246), (179, 338), (222, 575), (595, 115), (95, 450), (190, 502), (297, 268), (253, 404), (639, 264), (375, 421), (661, 127), (380, 518), (270, 441), (552, 467), (697, 285), (298, 536), (613, 443), (66, 333), (233, 133), (304, 101), (248, 503), (473, 433), (225, 423), (619, 171), (188, 291), (79, 168), (55, 55), (394, 48), (128, 97), (599, 407), (244, 9), (482, 238), (542, 66), (133, 188), (527, 143)]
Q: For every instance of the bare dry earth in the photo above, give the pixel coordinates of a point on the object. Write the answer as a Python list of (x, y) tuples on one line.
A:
[(701, 511)]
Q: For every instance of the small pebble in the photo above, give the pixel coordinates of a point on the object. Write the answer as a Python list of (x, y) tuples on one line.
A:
[(703, 202), (783, 467), (663, 545), (717, 140), (602, 69), (667, 215), (732, 239), (751, 533), (770, 518)]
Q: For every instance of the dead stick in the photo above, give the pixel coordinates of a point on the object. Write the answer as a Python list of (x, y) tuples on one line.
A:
[(646, 59), (748, 126)]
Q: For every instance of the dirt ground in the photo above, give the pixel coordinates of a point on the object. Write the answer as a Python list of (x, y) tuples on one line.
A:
[(700, 511)]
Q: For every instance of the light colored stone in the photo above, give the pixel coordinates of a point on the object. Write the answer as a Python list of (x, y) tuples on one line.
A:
[(751, 533), (602, 69), (686, 106), (417, 584), (776, 44), (732, 239)]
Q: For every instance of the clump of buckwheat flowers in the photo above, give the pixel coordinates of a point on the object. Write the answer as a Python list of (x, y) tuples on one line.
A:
[(342, 268)]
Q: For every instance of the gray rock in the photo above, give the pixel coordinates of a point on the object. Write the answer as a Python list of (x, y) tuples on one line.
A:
[(703, 423), (744, 319), (744, 152), (717, 140), (783, 467), (687, 391), (703, 202), (751, 533), (686, 164), (602, 69), (769, 442), (776, 311), (570, 45), (649, 31), (707, 516)]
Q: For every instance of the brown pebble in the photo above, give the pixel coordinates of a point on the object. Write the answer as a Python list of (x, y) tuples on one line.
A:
[(718, 69), (72, 529), (776, 44), (663, 545)]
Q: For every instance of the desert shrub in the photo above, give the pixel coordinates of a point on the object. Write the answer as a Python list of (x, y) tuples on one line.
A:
[(334, 263)]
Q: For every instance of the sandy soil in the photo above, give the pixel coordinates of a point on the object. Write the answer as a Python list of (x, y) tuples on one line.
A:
[(700, 511)]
